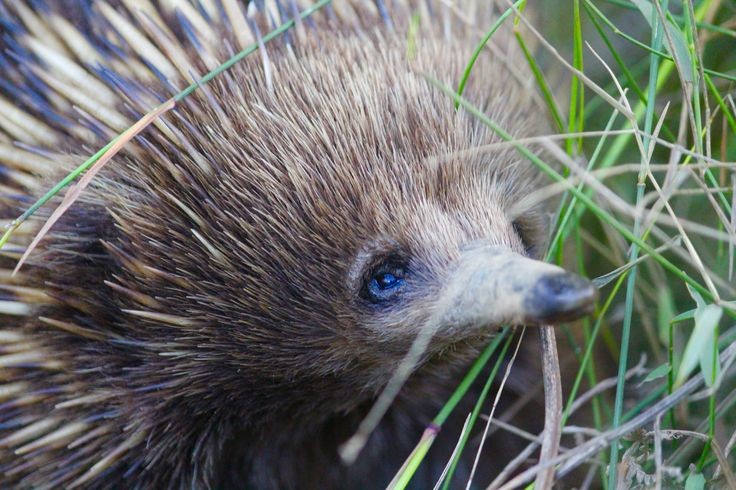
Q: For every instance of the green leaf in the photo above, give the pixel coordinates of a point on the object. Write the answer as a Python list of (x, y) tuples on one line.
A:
[(695, 481), (701, 347), (659, 372), (699, 301), (614, 274), (687, 315), (710, 363)]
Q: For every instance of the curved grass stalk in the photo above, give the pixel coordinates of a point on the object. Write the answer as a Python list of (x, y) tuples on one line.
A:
[(482, 44)]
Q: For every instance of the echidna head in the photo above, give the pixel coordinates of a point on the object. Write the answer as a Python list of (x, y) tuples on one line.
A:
[(296, 240)]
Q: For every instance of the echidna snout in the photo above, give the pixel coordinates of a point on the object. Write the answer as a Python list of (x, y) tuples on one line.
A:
[(493, 286)]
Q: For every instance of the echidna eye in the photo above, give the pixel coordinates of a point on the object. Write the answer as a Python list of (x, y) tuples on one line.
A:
[(385, 283)]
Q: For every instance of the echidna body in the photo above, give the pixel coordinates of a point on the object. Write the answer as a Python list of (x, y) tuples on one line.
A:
[(230, 295)]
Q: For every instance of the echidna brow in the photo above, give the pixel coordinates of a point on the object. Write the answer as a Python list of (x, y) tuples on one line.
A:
[(272, 21), (102, 416), (9, 27), (230, 51), (4, 13), (192, 129), (4, 63), (294, 8), (87, 16), (155, 386), (447, 21), (38, 88), (17, 52), (33, 98), (133, 468), (284, 17), (24, 94), (52, 117), (40, 6), (12, 423), (430, 8), (259, 5), (221, 13), (283, 14), (9, 405), (97, 18), (47, 391), (168, 86), (212, 101)]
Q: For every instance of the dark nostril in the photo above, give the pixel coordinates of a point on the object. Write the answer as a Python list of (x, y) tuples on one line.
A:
[(560, 297)]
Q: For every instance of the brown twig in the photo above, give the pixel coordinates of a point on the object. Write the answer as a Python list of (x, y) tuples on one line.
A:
[(552, 406)]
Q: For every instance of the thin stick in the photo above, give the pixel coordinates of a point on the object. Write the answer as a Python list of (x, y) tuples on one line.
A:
[(493, 409), (552, 405), (657, 453), (438, 485)]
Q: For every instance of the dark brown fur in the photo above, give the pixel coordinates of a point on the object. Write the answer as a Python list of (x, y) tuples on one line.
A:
[(205, 326)]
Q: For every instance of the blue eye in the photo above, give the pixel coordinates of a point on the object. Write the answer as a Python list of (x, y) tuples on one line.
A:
[(385, 284)]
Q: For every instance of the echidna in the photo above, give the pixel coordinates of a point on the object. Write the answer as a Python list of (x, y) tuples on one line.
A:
[(230, 295)]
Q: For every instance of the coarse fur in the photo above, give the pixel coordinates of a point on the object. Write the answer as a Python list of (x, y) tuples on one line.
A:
[(197, 319)]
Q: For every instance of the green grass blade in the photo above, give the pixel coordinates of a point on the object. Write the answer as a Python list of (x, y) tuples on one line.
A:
[(402, 479), (482, 44)]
